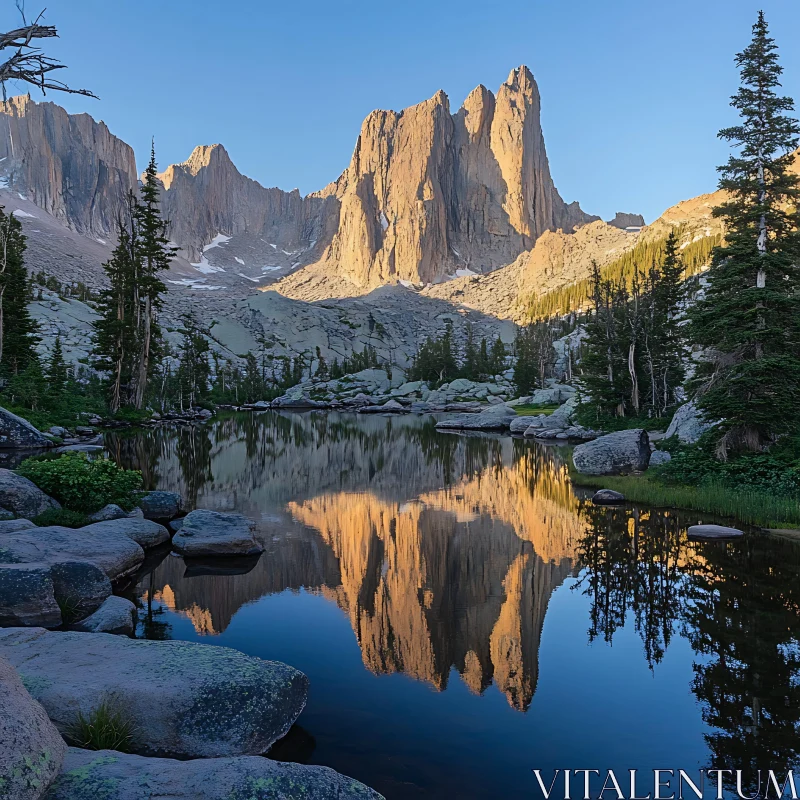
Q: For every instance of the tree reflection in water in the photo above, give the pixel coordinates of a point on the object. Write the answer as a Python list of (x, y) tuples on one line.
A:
[(737, 603)]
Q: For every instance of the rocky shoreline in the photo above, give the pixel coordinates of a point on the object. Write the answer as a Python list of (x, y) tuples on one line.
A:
[(67, 653)]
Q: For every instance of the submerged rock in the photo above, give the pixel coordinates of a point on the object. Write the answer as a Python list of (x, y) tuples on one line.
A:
[(182, 699), (607, 497), (116, 615), (17, 433), (160, 505), (22, 496), (213, 533), (713, 532), (32, 750), (622, 451), (88, 775)]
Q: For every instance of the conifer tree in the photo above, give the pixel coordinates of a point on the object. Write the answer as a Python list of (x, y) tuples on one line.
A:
[(749, 318), (194, 370), (17, 328), (57, 374), (525, 368), (154, 255), (115, 331)]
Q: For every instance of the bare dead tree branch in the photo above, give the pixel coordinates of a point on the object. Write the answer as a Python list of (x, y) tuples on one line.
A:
[(28, 63)]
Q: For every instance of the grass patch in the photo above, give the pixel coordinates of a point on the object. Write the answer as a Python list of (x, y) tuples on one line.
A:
[(61, 516), (529, 410), (754, 508), (105, 728)]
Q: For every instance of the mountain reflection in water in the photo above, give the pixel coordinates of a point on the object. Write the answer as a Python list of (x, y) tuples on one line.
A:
[(444, 552)]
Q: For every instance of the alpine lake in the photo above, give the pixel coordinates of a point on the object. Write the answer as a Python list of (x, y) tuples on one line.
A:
[(465, 615)]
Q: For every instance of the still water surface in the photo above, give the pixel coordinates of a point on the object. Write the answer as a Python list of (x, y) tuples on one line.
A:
[(465, 616)]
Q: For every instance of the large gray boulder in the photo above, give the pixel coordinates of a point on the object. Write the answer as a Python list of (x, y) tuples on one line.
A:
[(687, 424), (116, 615), (115, 553), (213, 533), (145, 532), (520, 424), (31, 749), (18, 434), (22, 496), (80, 588), (106, 774), (27, 597), (622, 451), (182, 699), (160, 505)]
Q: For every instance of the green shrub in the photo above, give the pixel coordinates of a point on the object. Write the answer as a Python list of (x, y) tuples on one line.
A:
[(61, 516), (776, 472), (83, 485), (104, 728)]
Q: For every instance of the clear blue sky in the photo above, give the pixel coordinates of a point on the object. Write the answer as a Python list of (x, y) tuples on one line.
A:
[(633, 93)]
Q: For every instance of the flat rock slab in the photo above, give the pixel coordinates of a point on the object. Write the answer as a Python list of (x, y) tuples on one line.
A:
[(607, 497), (106, 774), (497, 418), (32, 749), (213, 533), (713, 532), (22, 496), (116, 615), (116, 554), (184, 700)]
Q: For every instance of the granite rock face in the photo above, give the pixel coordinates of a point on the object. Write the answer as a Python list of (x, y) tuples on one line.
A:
[(32, 749), (184, 700), (67, 164), (88, 775), (622, 451), (18, 434), (428, 192), (206, 196)]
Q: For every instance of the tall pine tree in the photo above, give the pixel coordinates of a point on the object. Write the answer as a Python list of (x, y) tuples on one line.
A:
[(17, 328), (154, 255), (749, 319), (115, 331)]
